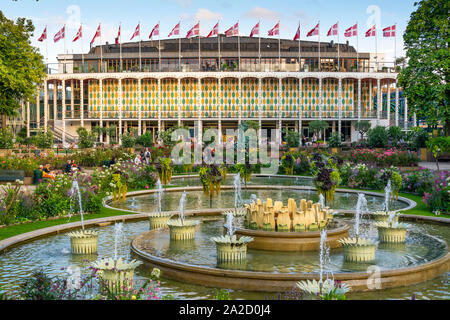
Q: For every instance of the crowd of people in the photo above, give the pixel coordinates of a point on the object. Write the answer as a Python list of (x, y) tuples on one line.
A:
[(45, 172)]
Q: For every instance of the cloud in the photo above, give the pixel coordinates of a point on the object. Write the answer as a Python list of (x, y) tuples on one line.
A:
[(205, 14), (263, 14)]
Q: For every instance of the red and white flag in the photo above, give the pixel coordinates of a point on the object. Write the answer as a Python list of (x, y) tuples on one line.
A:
[(195, 31), (352, 31), (44, 35), (137, 32), (60, 35), (371, 32), (275, 31), (233, 31), (333, 30), (98, 33), (175, 31), (389, 31), (118, 37), (155, 32), (297, 34), (255, 30), (214, 31), (79, 34), (314, 32)]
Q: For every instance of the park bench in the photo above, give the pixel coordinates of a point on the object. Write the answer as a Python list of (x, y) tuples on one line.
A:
[(11, 175)]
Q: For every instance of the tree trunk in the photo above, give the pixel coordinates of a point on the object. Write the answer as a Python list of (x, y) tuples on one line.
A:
[(3, 121)]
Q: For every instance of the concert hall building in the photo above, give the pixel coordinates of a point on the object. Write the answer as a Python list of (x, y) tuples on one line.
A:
[(142, 87)]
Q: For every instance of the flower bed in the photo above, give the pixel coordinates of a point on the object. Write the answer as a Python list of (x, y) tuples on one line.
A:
[(385, 158)]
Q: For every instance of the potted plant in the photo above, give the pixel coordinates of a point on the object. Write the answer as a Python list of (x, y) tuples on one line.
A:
[(335, 142)]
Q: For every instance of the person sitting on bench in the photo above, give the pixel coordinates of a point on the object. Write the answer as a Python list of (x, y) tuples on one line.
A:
[(47, 173)]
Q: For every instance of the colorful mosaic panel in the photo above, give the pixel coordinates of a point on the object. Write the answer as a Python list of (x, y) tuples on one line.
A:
[(110, 99), (94, 99), (269, 98), (249, 105), (169, 101), (310, 98), (365, 98), (348, 97), (189, 98), (149, 98), (209, 101), (289, 98), (130, 98), (330, 89), (229, 98)]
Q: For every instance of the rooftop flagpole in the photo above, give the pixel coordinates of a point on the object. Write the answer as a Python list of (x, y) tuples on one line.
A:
[(140, 54), (259, 45), (199, 49), (120, 46), (218, 42), (339, 60), (179, 47), (299, 48), (319, 43), (159, 45)]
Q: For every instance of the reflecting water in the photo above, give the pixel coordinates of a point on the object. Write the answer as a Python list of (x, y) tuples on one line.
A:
[(53, 253)]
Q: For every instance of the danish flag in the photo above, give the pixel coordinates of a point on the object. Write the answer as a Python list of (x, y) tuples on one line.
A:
[(275, 30), (297, 35), (44, 35), (352, 31), (118, 37), (255, 30), (214, 31), (195, 31), (389, 31), (79, 34), (175, 31), (233, 31), (314, 32), (137, 32), (98, 33), (371, 32), (155, 32), (60, 35), (333, 30)]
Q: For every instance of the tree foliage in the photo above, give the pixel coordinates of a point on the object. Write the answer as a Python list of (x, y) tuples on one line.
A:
[(21, 65), (425, 78)]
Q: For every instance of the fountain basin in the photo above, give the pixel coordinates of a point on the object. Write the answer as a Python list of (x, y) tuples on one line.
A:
[(83, 242), (182, 230), (231, 249), (383, 216), (158, 220), (359, 250), (391, 233), (115, 275), (294, 241)]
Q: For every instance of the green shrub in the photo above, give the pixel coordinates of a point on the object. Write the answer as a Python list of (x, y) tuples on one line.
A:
[(44, 140), (128, 141), (6, 139), (377, 137), (335, 140), (145, 140), (85, 139)]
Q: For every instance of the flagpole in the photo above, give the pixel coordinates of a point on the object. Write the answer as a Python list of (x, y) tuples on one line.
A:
[(140, 56), (218, 41), (65, 50), (82, 51), (101, 49), (395, 48), (279, 45), (299, 49), (239, 49), (319, 44), (199, 50), (179, 47), (376, 49), (357, 47), (46, 45), (259, 44), (339, 64), (120, 47), (159, 45)]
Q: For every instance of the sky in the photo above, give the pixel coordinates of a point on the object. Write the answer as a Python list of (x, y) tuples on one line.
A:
[(56, 13)]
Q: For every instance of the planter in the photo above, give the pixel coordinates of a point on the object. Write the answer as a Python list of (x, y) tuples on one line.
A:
[(182, 230), (158, 220), (358, 250), (28, 180), (382, 216), (335, 150), (231, 249), (423, 154), (83, 242), (115, 275)]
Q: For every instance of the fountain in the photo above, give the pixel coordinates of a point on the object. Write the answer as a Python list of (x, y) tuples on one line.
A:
[(391, 231), (181, 229), (229, 247), (82, 242), (116, 274), (384, 216), (359, 249), (133, 203), (318, 288), (158, 219), (322, 200)]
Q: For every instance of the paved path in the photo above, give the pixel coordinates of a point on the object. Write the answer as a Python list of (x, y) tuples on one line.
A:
[(432, 165)]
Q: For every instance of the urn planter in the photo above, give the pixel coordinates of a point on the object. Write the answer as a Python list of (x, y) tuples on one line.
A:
[(182, 230), (83, 242), (359, 250)]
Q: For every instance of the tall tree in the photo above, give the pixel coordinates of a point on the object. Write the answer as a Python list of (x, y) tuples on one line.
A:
[(21, 65), (425, 78)]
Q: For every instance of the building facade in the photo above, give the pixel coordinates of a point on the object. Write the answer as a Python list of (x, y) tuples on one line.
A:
[(146, 89)]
